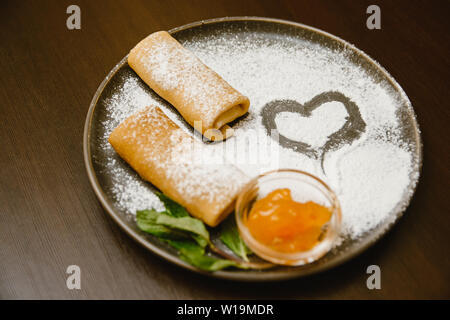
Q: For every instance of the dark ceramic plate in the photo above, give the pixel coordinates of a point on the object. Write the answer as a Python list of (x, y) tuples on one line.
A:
[(95, 154)]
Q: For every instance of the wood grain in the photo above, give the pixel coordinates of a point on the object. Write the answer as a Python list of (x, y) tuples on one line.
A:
[(50, 217)]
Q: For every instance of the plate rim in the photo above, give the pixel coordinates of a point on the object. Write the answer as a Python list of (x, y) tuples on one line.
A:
[(243, 275)]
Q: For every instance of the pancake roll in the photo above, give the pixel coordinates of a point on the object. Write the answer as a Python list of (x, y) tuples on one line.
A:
[(205, 100), (173, 161)]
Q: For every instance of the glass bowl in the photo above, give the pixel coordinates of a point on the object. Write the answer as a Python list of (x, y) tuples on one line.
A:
[(304, 187)]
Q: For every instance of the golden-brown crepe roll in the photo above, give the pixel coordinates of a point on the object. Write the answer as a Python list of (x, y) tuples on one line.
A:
[(174, 162), (205, 100)]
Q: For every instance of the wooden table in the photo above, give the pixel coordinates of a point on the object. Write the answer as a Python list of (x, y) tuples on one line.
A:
[(50, 217)]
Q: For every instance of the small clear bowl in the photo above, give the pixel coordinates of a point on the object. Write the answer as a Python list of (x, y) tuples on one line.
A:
[(304, 187)]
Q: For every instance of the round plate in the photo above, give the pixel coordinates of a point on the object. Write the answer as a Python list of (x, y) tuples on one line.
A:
[(102, 183)]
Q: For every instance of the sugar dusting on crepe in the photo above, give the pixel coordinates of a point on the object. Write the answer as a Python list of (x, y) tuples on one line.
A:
[(191, 158), (175, 69), (370, 176)]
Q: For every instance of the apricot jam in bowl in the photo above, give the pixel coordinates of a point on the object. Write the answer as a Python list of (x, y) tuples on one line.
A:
[(288, 217)]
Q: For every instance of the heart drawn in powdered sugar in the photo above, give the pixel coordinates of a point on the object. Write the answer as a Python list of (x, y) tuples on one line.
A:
[(352, 128)]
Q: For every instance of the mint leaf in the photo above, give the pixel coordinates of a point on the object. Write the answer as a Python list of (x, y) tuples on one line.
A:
[(187, 245), (172, 208), (195, 255), (207, 263), (186, 234), (146, 221), (231, 238), (201, 241), (189, 224)]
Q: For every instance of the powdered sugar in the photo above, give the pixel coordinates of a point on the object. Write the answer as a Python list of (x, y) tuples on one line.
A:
[(331, 116), (369, 180), (209, 176), (371, 176), (131, 192)]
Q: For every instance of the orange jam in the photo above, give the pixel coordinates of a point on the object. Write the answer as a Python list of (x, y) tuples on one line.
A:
[(285, 225)]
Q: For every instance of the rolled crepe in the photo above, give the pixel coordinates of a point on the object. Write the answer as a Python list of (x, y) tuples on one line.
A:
[(205, 100), (163, 154)]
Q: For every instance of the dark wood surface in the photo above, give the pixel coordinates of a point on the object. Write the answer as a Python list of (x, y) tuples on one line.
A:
[(50, 217)]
